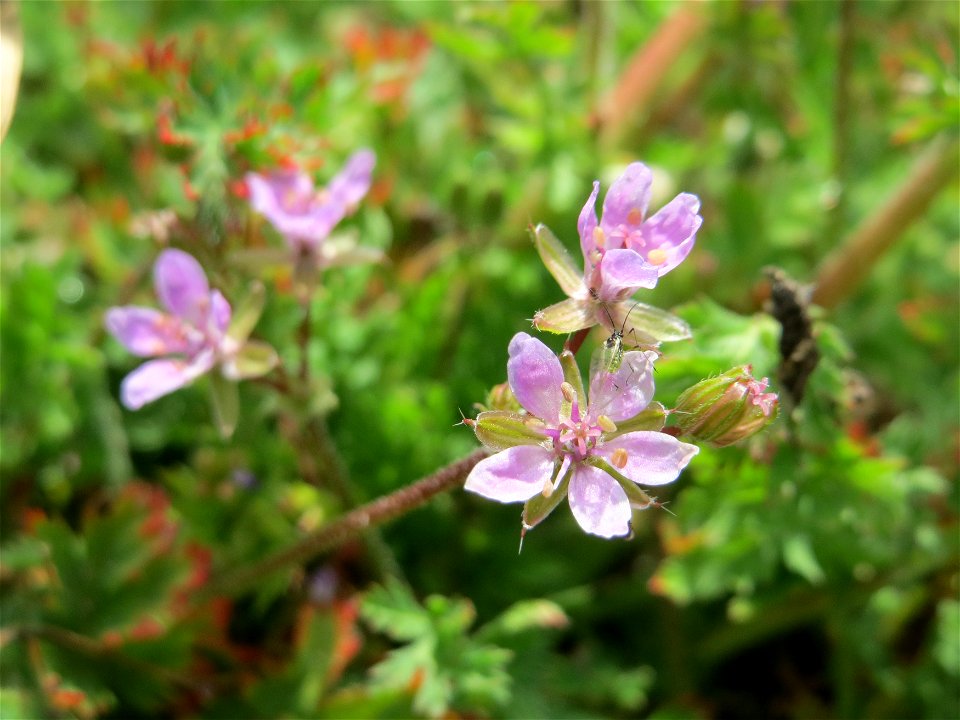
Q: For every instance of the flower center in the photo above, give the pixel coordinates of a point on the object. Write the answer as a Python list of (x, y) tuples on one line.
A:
[(577, 435)]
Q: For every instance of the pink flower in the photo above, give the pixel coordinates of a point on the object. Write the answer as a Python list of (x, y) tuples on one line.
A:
[(565, 445), (305, 215), (195, 329), (623, 252), (627, 250)]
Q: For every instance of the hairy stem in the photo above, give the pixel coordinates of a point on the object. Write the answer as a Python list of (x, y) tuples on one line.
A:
[(360, 520), (574, 342)]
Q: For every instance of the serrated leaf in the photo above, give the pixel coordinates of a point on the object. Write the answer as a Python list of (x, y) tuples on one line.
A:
[(392, 610)]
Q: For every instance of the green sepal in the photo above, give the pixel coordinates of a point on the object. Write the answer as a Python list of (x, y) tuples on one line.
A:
[(247, 313), (566, 316), (637, 497), (501, 429), (558, 260), (225, 401), (653, 417), (538, 507), (647, 325), (254, 359)]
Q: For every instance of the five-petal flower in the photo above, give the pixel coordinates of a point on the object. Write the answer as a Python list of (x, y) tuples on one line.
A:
[(566, 445), (195, 330), (303, 214), (623, 252)]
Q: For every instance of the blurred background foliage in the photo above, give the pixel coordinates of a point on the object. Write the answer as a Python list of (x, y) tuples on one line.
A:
[(812, 572)]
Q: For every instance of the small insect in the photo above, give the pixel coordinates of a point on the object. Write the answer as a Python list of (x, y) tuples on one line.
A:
[(611, 355)]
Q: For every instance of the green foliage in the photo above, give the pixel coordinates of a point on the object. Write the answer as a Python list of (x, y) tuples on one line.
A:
[(447, 668), (809, 572)]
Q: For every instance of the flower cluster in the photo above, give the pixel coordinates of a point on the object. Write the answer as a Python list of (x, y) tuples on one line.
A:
[(552, 439), (198, 331)]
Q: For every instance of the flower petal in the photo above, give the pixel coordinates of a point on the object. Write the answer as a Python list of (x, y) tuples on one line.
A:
[(157, 378), (220, 312), (623, 272), (653, 458), (599, 503), (288, 201), (622, 394), (352, 183), (272, 195), (586, 224), (535, 376), (673, 230), (513, 475), (182, 286), (146, 332), (626, 200)]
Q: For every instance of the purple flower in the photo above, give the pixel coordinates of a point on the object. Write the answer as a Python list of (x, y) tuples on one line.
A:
[(623, 252), (567, 445), (661, 241), (303, 214), (195, 330)]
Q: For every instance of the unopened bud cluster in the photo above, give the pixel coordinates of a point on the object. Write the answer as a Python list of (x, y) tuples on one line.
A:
[(727, 408)]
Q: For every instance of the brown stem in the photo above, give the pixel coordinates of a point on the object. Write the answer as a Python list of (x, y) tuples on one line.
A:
[(647, 69), (375, 513), (844, 269), (303, 339), (574, 342)]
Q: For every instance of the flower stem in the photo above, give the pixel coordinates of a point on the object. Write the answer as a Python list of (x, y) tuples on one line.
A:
[(574, 342), (303, 339), (339, 531)]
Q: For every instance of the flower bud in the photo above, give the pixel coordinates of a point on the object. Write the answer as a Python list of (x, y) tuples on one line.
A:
[(727, 408), (501, 397)]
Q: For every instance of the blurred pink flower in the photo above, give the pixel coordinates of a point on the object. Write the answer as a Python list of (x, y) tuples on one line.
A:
[(194, 328), (305, 215)]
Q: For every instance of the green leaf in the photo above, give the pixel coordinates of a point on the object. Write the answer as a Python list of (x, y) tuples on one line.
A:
[(798, 555), (441, 660), (393, 610)]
